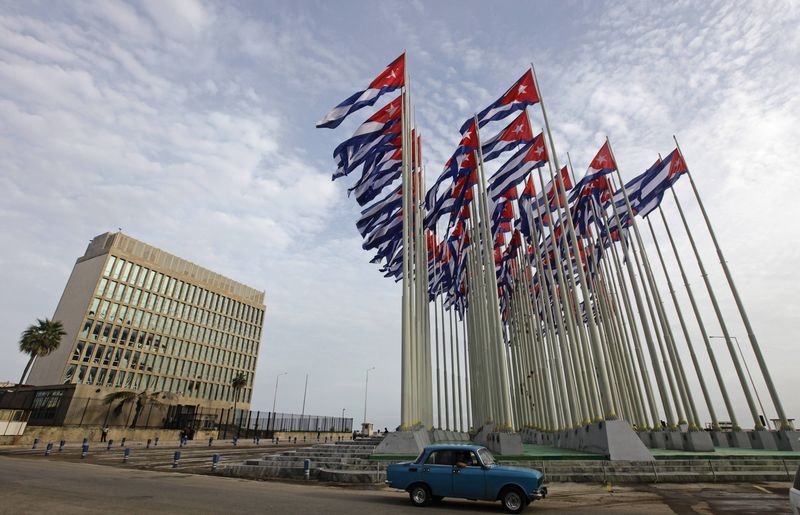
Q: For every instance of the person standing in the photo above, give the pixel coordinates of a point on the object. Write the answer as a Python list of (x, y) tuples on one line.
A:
[(104, 434)]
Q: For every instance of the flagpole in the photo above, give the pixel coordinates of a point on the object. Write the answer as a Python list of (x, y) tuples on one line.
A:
[(405, 387), (436, 268), (785, 424), (687, 337), (594, 337), (723, 326), (493, 304)]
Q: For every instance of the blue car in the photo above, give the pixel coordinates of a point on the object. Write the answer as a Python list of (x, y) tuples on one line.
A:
[(465, 472)]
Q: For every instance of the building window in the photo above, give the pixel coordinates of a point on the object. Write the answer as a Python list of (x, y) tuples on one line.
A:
[(70, 374), (110, 265), (45, 404)]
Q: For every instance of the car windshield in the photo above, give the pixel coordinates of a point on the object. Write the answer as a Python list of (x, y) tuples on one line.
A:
[(486, 457)]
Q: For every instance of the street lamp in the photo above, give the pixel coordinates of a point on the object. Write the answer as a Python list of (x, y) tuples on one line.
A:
[(305, 389), (366, 385), (766, 421), (275, 397)]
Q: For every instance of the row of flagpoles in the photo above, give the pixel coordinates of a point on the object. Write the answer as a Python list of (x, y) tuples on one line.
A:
[(546, 308)]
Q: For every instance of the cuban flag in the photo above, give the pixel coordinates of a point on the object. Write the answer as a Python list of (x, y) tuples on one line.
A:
[(384, 173), (368, 132), (519, 131), (390, 79), (467, 144), (531, 155), (519, 96), (602, 164), (380, 210), (390, 139), (664, 175)]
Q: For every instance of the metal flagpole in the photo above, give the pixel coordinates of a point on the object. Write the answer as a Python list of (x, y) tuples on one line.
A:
[(723, 326), (594, 337), (703, 333), (785, 424), (436, 268), (493, 303), (406, 392), (682, 321)]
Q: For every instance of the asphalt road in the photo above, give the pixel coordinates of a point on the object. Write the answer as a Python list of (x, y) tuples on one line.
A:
[(52, 486)]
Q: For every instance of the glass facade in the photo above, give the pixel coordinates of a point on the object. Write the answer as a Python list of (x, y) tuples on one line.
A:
[(144, 329)]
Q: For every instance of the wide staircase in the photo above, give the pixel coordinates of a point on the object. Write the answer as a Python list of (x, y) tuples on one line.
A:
[(340, 462)]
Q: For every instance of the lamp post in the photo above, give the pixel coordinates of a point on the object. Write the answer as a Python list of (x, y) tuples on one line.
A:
[(305, 389), (275, 397), (366, 386), (766, 420)]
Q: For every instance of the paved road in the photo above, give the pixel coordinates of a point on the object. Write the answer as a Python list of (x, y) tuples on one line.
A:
[(55, 486)]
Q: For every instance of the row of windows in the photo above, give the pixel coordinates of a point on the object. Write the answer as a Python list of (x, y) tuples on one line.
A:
[(155, 303), (84, 374), (95, 330), (142, 277), (125, 358)]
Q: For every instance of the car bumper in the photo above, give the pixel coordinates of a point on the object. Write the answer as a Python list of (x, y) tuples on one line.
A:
[(538, 494)]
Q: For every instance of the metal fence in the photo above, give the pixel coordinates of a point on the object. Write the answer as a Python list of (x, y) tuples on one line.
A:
[(58, 408)]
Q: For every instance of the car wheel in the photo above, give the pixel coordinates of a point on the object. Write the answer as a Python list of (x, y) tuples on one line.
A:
[(420, 495), (514, 500)]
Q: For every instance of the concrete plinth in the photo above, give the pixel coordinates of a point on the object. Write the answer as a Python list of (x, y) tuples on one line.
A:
[(509, 444), (697, 441), (404, 442), (644, 436), (674, 440), (613, 438), (720, 439), (482, 436), (658, 440), (738, 439), (788, 440), (762, 440)]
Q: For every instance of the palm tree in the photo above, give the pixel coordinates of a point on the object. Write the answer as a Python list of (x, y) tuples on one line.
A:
[(238, 382), (141, 399), (40, 339)]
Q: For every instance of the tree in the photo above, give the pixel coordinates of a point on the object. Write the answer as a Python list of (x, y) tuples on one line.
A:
[(238, 382), (141, 399), (40, 339)]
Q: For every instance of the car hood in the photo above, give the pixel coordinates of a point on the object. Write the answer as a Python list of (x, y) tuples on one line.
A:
[(516, 471)]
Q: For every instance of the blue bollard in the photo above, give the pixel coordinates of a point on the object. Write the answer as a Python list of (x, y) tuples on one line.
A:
[(176, 459), (210, 440), (122, 443), (84, 450), (85, 441), (307, 468), (48, 448), (148, 443), (110, 444), (35, 442), (235, 440), (126, 455), (214, 461), (61, 445), (155, 443)]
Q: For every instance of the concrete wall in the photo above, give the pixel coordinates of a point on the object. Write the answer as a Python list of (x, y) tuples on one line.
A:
[(77, 434), (70, 311)]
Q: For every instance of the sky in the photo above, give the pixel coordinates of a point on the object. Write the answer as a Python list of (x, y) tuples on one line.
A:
[(190, 125)]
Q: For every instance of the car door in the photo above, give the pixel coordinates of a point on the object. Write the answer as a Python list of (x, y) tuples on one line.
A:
[(469, 482), (437, 472)]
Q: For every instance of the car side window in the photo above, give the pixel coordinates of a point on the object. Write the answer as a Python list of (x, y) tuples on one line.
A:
[(440, 458), (473, 460)]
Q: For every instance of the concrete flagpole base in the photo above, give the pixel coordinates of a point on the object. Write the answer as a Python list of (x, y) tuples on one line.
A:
[(445, 436), (788, 440), (763, 439), (719, 439), (613, 438), (697, 441), (738, 439), (404, 442)]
